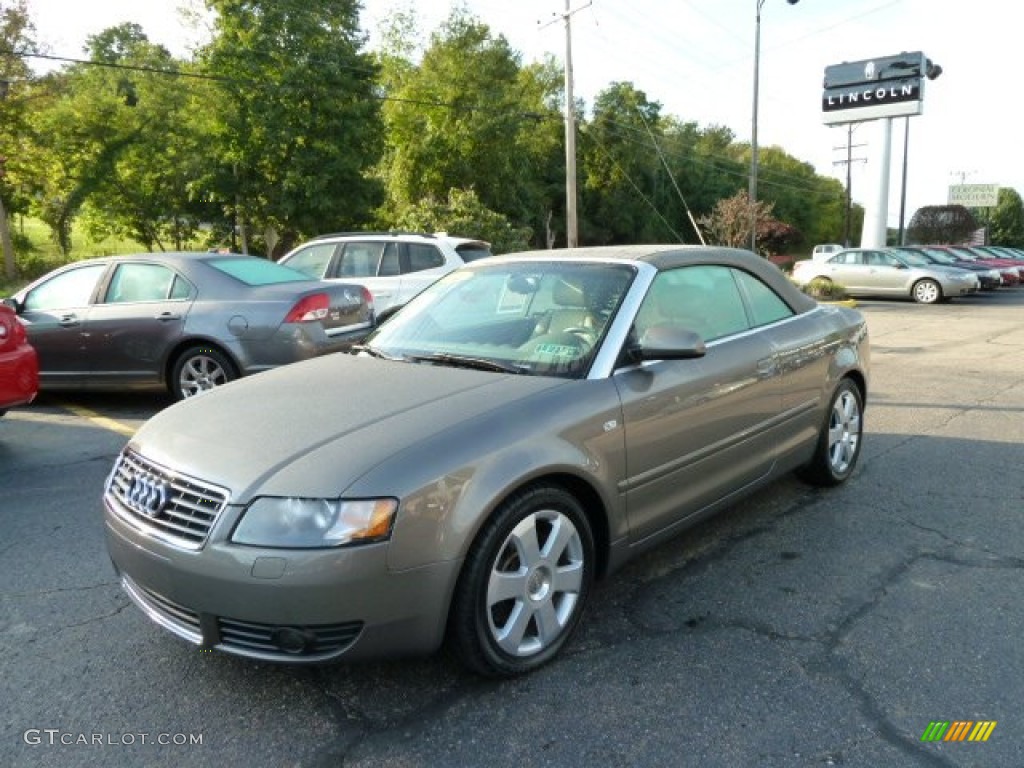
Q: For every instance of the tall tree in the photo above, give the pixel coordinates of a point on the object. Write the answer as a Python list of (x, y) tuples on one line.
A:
[(469, 116), (16, 39), (1006, 220), (621, 171), (297, 120)]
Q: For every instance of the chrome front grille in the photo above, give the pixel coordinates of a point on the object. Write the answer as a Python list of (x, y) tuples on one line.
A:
[(170, 506)]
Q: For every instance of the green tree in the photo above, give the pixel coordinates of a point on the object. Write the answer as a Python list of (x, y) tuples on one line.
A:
[(297, 118), (16, 33), (463, 212), (623, 184), (469, 116), (1006, 220)]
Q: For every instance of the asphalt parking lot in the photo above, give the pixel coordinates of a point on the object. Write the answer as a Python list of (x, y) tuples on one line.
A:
[(802, 628)]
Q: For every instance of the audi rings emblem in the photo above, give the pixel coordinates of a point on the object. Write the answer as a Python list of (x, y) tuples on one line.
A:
[(147, 495)]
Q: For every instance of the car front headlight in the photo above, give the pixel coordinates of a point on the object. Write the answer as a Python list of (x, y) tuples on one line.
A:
[(295, 523)]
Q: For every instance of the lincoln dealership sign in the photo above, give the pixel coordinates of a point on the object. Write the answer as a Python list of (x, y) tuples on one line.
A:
[(889, 86)]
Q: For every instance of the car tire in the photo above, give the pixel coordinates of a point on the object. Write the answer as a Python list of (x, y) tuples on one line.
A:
[(927, 292), (839, 442), (199, 369), (524, 584)]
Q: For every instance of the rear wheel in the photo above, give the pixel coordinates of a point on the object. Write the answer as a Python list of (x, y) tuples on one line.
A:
[(524, 583), (199, 369), (839, 441), (927, 292)]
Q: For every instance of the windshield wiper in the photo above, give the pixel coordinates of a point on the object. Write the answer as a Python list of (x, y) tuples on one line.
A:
[(463, 361), (374, 352)]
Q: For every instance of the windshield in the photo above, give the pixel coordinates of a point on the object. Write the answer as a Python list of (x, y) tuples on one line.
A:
[(912, 258), (533, 317)]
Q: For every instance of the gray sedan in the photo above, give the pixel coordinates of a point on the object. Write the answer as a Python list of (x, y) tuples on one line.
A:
[(887, 273), (525, 425), (187, 321)]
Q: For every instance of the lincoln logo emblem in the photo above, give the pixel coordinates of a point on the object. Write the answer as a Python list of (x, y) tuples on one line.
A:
[(147, 495)]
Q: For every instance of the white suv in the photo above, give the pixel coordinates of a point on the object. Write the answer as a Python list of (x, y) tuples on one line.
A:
[(394, 266)]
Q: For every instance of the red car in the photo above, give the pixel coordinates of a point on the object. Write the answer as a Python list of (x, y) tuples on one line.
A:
[(19, 366)]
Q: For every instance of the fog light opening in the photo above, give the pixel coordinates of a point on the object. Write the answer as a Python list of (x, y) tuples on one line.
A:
[(292, 640)]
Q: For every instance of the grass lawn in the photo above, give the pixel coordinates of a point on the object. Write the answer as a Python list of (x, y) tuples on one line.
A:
[(36, 253)]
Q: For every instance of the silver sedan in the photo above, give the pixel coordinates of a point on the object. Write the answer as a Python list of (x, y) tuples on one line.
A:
[(525, 425), (185, 321), (887, 273)]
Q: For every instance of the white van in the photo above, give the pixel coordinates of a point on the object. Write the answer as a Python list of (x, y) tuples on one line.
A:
[(823, 251)]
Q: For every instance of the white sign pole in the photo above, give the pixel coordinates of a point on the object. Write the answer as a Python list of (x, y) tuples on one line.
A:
[(876, 212)]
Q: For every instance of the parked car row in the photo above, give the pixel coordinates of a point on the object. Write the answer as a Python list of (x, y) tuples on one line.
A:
[(926, 274), (193, 321)]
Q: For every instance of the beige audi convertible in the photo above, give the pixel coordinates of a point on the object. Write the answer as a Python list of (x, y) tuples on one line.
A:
[(524, 426)]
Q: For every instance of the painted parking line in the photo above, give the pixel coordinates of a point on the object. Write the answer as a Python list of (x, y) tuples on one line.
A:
[(99, 420)]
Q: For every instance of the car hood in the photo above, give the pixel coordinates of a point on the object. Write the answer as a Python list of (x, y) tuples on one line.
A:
[(316, 427)]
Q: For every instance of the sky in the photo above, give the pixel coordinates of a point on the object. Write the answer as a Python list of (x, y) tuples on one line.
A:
[(696, 58)]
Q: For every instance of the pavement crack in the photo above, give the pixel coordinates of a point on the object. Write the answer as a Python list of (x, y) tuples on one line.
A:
[(57, 590)]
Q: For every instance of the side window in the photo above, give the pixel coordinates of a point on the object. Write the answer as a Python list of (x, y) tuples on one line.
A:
[(389, 264), (181, 289), (313, 261), (360, 259), (140, 282), (423, 256), (73, 288), (704, 299), (764, 303)]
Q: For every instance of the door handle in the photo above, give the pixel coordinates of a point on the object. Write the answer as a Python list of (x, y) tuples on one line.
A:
[(68, 321), (168, 316), (766, 367)]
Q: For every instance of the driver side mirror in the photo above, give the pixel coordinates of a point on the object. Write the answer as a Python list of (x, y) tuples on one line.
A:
[(13, 304), (666, 342)]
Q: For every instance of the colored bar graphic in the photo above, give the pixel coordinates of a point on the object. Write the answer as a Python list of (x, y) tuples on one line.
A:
[(982, 730), (959, 730), (935, 730)]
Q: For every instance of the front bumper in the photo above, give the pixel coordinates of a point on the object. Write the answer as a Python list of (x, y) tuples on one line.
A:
[(294, 606)]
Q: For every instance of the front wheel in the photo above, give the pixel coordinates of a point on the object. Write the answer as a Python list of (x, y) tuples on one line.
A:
[(927, 292), (524, 584), (199, 369), (839, 441)]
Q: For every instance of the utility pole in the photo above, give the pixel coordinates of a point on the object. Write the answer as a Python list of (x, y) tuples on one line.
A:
[(848, 162), (571, 222)]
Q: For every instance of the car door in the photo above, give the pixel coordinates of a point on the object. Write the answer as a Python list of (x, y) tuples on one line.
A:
[(422, 264), (136, 322), (850, 270), (54, 312), (885, 273), (375, 264), (696, 430)]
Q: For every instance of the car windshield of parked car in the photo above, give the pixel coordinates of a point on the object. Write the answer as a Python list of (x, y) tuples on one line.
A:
[(540, 318), (254, 271), (913, 259)]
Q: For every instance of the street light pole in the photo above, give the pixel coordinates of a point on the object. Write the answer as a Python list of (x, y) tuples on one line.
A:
[(752, 189), (571, 225)]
